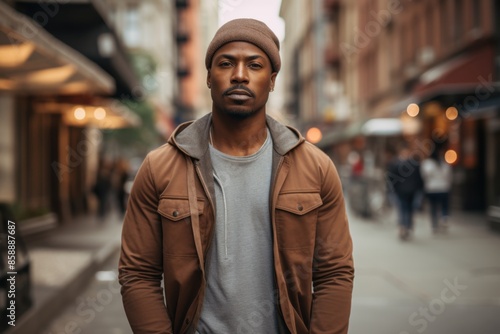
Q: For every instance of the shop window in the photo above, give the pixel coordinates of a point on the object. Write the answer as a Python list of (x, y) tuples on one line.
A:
[(458, 20), (443, 18), (476, 14), (429, 40)]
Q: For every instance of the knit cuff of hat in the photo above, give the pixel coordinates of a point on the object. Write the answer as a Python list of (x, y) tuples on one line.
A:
[(250, 31)]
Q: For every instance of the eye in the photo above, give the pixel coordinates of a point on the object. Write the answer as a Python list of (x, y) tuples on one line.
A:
[(255, 66), (225, 63)]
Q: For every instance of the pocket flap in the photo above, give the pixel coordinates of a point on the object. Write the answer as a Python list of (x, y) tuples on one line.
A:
[(176, 209), (299, 203)]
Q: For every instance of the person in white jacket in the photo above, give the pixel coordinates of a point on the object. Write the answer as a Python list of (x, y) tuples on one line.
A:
[(437, 176)]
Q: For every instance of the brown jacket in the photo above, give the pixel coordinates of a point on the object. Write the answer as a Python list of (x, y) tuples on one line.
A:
[(170, 221)]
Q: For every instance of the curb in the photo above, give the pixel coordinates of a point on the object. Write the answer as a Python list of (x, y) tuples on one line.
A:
[(41, 314)]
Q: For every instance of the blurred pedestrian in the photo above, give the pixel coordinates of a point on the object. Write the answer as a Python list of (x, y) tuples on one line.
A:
[(103, 186), (392, 159), (437, 177), (357, 169), (237, 213), (121, 175), (418, 199), (357, 186), (403, 177)]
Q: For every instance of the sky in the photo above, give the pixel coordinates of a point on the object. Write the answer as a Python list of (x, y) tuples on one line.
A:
[(263, 10)]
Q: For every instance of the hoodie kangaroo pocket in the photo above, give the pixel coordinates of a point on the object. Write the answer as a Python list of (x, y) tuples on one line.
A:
[(178, 237)]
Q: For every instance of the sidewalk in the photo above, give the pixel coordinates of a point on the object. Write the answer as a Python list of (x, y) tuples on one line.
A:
[(393, 278), (62, 263)]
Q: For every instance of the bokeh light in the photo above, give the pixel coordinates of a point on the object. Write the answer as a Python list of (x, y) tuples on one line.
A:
[(451, 156), (79, 113), (413, 109), (314, 135), (451, 113), (99, 113)]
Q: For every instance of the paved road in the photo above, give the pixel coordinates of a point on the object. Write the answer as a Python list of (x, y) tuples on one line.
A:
[(433, 284)]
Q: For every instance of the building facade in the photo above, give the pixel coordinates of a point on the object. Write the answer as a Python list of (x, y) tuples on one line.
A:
[(197, 23), (58, 87), (315, 71), (431, 65), (148, 30), (436, 62)]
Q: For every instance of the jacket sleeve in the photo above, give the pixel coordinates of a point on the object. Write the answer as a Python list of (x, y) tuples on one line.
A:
[(140, 266), (333, 269)]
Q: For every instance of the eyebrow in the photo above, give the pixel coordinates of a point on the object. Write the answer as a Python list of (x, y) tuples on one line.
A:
[(231, 57)]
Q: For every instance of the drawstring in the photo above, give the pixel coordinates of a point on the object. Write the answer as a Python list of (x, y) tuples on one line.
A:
[(193, 209), (225, 211)]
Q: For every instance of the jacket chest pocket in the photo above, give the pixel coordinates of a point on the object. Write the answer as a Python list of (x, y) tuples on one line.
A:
[(178, 237), (296, 216)]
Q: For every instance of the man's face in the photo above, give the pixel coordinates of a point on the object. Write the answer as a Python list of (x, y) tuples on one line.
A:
[(240, 78)]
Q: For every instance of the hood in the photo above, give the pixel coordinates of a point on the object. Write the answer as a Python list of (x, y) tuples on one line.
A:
[(192, 137)]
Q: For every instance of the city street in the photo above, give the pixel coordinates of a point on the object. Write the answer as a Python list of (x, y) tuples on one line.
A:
[(435, 284), (404, 97)]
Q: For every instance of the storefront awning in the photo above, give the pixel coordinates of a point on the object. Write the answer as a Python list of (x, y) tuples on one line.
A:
[(342, 134), (373, 127), (465, 69), (470, 99), (99, 113), (32, 60), (465, 82), (84, 26)]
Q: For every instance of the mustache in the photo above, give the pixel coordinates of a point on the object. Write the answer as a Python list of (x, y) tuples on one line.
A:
[(238, 87)]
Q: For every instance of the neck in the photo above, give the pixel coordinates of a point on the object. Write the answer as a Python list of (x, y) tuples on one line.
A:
[(238, 137)]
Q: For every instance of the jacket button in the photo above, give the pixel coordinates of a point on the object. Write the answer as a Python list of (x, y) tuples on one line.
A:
[(175, 213), (187, 321), (300, 207)]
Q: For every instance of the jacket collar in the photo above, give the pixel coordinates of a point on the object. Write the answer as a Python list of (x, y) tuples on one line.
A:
[(192, 137)]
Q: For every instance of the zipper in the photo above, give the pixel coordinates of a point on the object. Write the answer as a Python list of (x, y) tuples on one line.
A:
[(198, 172), (210, 237), (273, 220), (196, 317)]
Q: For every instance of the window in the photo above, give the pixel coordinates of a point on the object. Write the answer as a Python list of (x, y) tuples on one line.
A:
[(443, 18), (132, 32), (415, 39), (402, 46), (458, 20), (429, 38), (476, 14)]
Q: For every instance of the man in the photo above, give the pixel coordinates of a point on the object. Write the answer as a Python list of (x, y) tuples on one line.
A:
[(404, 179), (239, 214)]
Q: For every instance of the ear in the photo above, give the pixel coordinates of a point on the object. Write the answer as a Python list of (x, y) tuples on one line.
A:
[(273, 80), (209, 83)]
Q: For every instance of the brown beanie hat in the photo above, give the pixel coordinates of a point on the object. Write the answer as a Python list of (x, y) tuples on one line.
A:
[(246, 30)]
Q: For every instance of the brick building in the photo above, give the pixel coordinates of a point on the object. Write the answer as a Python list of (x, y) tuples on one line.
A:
[(432, 65)]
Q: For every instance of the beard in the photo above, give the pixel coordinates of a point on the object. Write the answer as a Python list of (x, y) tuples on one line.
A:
[(238, 113), (238, 110)]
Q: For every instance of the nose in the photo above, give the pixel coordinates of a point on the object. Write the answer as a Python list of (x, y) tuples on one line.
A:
[(240, 74)]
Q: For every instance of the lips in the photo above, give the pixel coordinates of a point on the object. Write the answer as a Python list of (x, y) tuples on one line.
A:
[(239, 95)]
